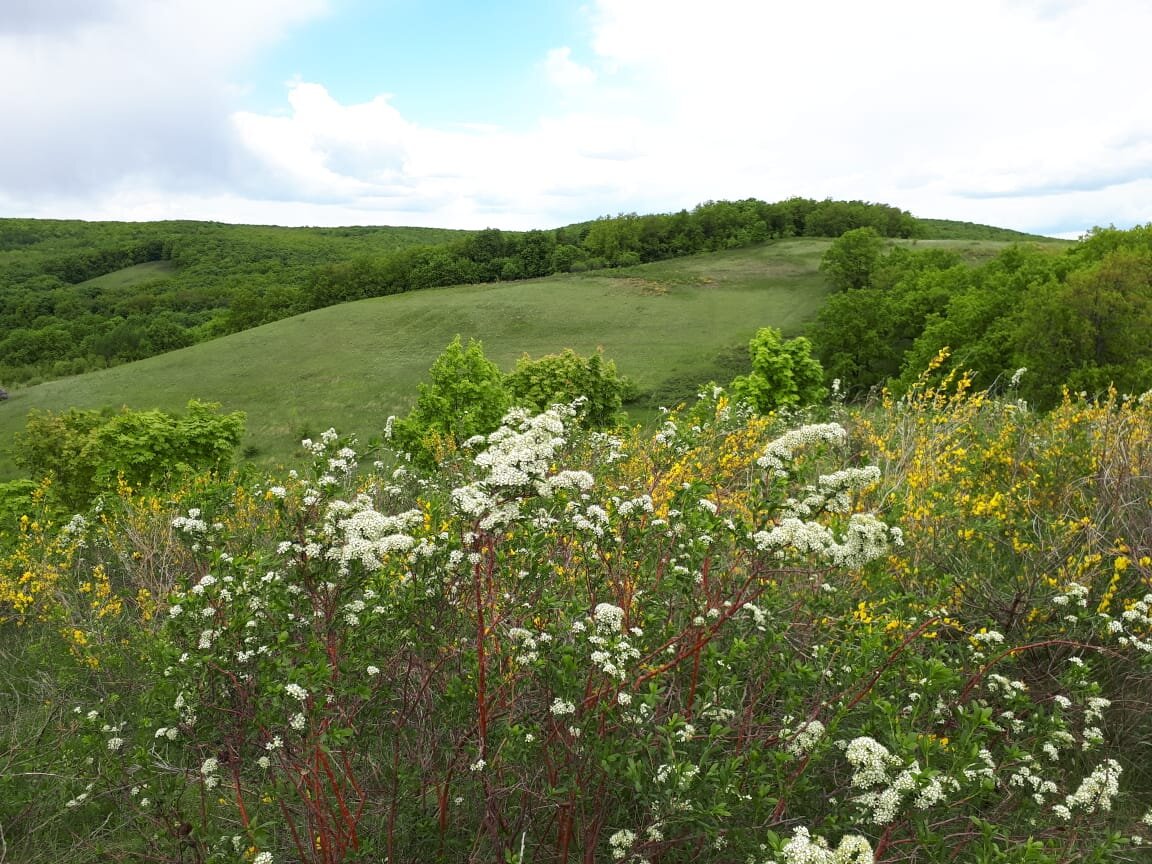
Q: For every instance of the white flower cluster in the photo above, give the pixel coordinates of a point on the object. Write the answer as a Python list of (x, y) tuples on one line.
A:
[(1024, 778), (208, 770), (528, 644), (608, 618), (75, 525), (191, 524), (317, 448), (987, 770), (831, 493), (1137, 625), (865, 539), (518, 455), (872, 764), (779, 453), (560, 707), (621, 842), (357, 532), (803, 848), (1074, 595), (1095, 792), (805, 737), (611, 653), (642, 504), (593, 520), (575, 481), (1006, 687)]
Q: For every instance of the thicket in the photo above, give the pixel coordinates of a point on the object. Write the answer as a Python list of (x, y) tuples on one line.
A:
[(77, 454), (59, 317), (467, 396), (918, 630), (1078, 319)]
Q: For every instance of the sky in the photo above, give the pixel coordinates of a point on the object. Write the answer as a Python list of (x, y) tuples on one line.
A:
[(518, 114)]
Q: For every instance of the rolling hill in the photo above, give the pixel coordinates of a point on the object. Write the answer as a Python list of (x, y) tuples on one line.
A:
[(670, 326)]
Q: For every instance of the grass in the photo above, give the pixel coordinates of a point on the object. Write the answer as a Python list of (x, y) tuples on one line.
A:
[(670, 326), (128, 277)]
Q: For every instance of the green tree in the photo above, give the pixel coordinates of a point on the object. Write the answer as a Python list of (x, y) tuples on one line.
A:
[(852, 258), (784, 373), (1090, 331), (85, 452), (464, 396), (562, 378)]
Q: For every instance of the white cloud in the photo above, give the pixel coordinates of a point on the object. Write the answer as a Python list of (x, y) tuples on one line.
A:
[(1014, 112), (564, 72), (98, 94)]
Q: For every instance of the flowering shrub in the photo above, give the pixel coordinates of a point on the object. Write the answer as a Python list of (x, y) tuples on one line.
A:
[(709, 643)]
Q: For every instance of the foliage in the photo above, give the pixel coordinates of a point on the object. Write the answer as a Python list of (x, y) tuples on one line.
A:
[(852, 258), (1079, 319), (464, 397), (784, 373), (85, 452), (562, 378), (691, 645)]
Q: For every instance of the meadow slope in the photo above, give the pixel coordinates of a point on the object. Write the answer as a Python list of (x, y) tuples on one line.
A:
[(669, 326)]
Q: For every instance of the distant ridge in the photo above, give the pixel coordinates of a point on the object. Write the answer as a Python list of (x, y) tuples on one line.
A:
[(951, 229)]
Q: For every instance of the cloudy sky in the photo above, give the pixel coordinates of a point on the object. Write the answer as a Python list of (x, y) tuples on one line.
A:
[(1031, 114)]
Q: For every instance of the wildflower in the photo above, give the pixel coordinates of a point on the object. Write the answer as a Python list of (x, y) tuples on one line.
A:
[(373, 671), (608, 617), (115, 744), (298, 722), (803, 848), (263, 858), (560, 707), (1096, 791), (806, 737), (621, 842)]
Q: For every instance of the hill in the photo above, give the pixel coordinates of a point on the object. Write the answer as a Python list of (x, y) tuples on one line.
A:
[(670, 326), (76, 296), (949, 229)]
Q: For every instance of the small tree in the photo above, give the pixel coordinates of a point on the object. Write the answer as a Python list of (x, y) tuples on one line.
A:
[(84, 452), (465, 396), (561, 378), (784, 373), (852, 258)]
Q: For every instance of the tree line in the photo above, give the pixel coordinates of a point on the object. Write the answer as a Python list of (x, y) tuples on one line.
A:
[(1076, 319)]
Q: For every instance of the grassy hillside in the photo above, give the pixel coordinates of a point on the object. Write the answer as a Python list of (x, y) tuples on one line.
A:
[(669, 326), (950, 229), (352, 365)]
